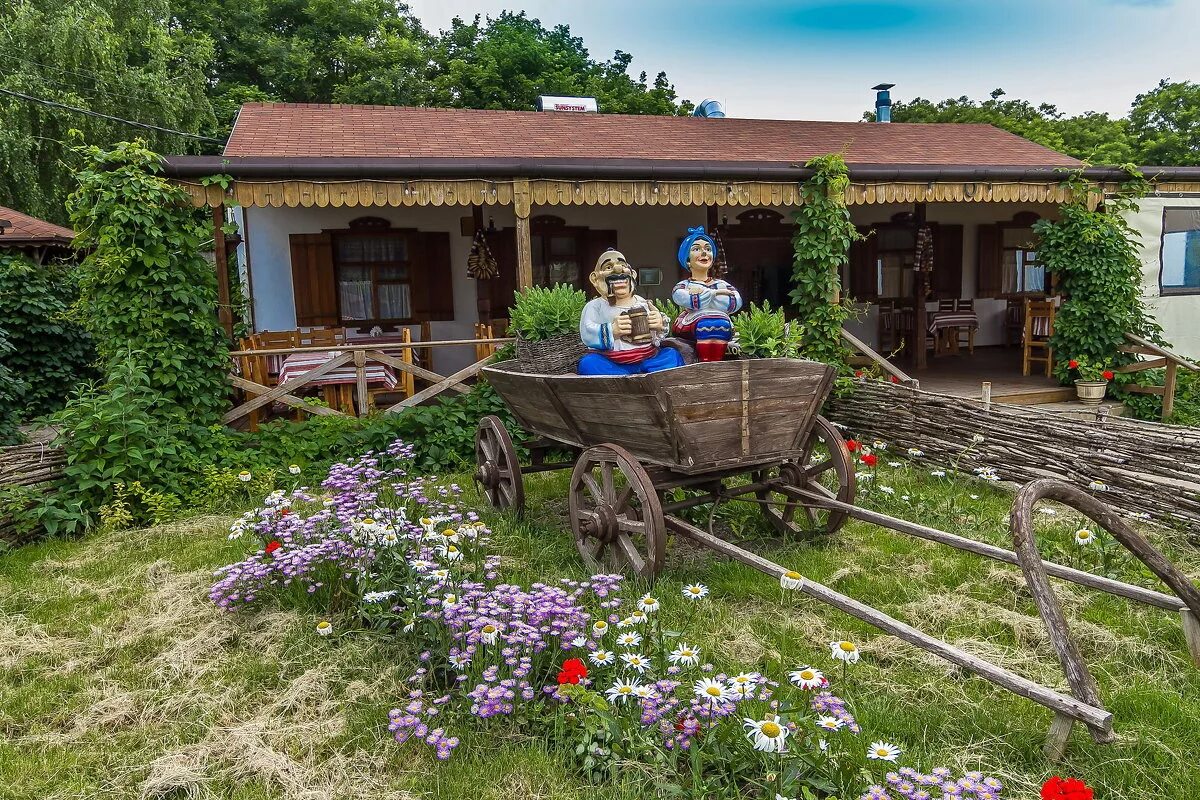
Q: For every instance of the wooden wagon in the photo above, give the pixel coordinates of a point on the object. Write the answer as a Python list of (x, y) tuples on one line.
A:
[(750, 430)]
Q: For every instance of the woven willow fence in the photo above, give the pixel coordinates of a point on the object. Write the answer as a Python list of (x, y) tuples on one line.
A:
[(1147, 467), (36, 466)]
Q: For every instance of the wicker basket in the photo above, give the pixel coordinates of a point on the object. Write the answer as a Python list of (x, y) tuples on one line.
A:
[(554, 356)]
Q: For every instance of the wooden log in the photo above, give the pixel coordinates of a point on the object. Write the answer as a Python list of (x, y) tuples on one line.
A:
[(285, 388), (1191, 633), (287, 399), (440, 386), (360, 382), (409, 368), (1056, 740), (1168, 405), (1091, 715), (1128, 591)]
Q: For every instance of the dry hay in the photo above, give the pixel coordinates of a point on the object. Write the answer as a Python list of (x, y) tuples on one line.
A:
[(21, 639)]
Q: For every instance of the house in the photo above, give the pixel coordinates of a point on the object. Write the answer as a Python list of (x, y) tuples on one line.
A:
[(364, 216), (35, 238), (1168, 224)]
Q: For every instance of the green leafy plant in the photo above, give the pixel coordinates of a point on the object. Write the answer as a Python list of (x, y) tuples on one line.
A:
[(1093, 252), (539, 314), (821, 244), (12, 394), (146, 288), (766, 333), (51, 353)]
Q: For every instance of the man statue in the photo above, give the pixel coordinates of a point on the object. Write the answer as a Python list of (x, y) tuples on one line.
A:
[(622, 329)]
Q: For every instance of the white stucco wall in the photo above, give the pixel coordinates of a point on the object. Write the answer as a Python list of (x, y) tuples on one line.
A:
[(271, 265), (1179, 315)]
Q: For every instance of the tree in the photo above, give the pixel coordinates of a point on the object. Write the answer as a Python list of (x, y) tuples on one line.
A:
[(310, 51), (1090, 136), (1165, 124), (506, 62), (101, 55)]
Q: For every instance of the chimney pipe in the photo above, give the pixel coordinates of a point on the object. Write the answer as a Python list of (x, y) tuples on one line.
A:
[(709, 108), (883, 102)]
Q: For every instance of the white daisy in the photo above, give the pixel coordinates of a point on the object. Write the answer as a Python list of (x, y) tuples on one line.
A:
[(887, 490), (938, 473), (977, 438), (1084, 537), (324, 627), (636, 661), (882, 751), (294, 469), (974, 497), (807, 678), (638, 617), (621, 691), (625, 623), (686, 655), (411, 624), (710, 690), (449, 600), (1098, 486), (1050, 512), (489, 633), (390, 539), (791, 580), (440, 575), (644, 691), (915, 453), (447, 536), (829, 723), (601, 658), (742, 691), (696, 591), (378, 597), (629, 639), (648, 603), (767, 734), (600, 627), (879, 444), (244, 476), (745, 679), (844, 651), (450, 553), (459, 661), (895, 463), (579, 641)]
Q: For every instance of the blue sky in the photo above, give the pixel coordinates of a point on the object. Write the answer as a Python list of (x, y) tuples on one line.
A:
[(817, 59)]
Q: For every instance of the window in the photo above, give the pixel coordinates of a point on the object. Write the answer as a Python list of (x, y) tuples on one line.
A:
[(373, 277), (1180, 268), (1023, 273), (894, 259)]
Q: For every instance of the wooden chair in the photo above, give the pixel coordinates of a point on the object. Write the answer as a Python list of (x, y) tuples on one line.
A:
[(271, 340), (946, 304), (887, 335), (484, 331), (250, 368), (323, 337), (1014, 322), (1039, 327), (965, 335)]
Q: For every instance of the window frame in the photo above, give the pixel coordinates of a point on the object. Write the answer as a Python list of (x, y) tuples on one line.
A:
[(879, 253), (370, 228), (1163, 291), (1047, 280)]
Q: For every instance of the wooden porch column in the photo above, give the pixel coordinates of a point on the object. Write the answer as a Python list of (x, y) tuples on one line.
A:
[(524, 246), (224, 309), (920, 292)]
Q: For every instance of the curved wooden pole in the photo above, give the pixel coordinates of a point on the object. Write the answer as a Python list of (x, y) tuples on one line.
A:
[(1083, 685)]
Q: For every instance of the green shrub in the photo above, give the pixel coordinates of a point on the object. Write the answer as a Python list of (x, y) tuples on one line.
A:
[(12, 395), (51, 353), (146, 288), (763, 333), (539, 314)]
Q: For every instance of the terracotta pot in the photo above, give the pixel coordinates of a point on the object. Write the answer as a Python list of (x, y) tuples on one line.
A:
[(1091, 392)]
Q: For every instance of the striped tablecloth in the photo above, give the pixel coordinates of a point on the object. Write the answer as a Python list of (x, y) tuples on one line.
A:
[(297, 364), (953, 319)]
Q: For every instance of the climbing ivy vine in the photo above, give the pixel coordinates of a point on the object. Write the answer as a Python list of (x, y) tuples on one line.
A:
[(146, 288), (1093, 252), (821, 244)]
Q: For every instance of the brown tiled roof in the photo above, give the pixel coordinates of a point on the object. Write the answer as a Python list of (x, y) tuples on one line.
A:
[(27, 230), (285, 130)]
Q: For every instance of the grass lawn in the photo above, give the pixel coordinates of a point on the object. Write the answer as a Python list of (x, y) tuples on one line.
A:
[(119, 679)]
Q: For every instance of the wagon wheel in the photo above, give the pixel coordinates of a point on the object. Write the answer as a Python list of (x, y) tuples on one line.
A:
[(616, 516), (825, 467), (498, 473)]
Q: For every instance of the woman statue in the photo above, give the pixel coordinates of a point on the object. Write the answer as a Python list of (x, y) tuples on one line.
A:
[(707, 301), (622, 329)]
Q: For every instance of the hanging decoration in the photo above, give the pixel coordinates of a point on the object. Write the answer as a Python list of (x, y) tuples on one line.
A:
[(721, 266), (481, 264)]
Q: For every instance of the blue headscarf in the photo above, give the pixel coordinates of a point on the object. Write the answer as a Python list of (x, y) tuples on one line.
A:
[(693, 235)]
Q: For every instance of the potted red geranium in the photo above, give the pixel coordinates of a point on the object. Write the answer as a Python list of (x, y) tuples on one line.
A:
[(1091, 380)]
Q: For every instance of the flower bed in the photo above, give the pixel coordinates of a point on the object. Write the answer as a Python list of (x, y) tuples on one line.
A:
[(610, 675)]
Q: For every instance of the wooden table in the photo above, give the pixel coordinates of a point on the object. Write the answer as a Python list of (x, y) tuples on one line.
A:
[(944, 327), (338, 384)]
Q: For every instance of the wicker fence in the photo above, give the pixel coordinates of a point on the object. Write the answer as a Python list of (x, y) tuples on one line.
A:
[(35, 465), (1147, 467)]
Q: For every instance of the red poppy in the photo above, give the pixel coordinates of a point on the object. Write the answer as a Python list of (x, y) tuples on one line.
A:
[(572, 670), (870, 459), (895, 379), (283, 512), (274, 545), (1107, 374), (1073, 364), (858, 373), (852, 445), (1065, 789)]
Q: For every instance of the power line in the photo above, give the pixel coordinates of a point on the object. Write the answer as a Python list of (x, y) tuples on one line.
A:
[(146, 125)]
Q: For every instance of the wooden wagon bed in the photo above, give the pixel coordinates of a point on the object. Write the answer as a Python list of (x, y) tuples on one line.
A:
[(691, 419)]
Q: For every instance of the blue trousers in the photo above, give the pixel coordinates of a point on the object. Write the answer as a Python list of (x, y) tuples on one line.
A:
[(597, 364)]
